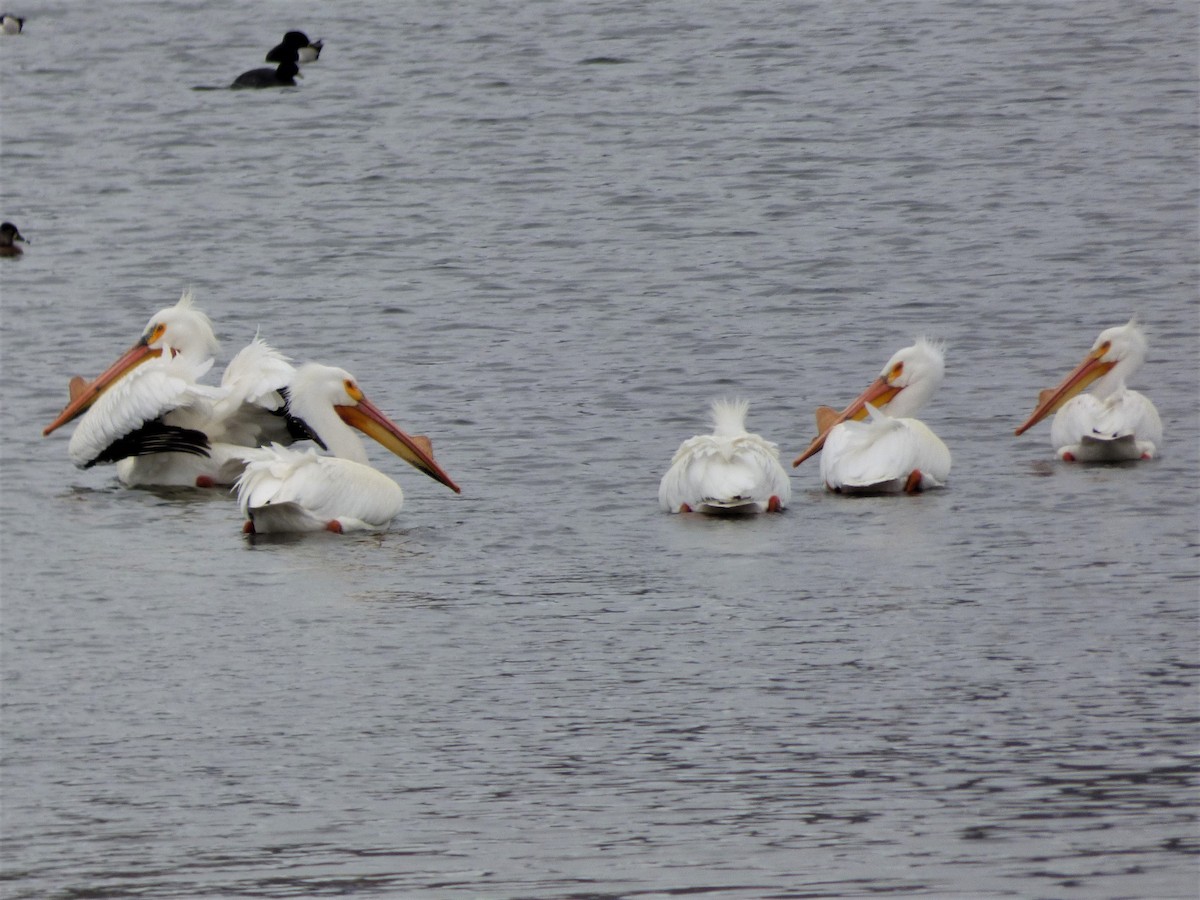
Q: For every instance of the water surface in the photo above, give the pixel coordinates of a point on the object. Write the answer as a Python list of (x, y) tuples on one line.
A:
[(547, 235)]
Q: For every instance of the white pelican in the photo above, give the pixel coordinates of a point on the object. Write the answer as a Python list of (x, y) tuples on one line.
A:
[(149, 414), (1112, 423), (890, 452), (728, 472), (286, 490)]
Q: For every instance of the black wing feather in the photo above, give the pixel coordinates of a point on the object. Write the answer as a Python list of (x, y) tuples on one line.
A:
[(154, 437)]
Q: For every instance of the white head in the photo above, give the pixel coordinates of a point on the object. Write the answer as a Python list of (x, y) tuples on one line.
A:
[(181, 330), (914, 373), (314, 394), (1123, 350), (332, 405)]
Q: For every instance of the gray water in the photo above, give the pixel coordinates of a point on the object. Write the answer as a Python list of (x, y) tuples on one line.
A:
[(546, 234)]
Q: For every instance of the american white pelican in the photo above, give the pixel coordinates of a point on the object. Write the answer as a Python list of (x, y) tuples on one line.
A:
[(149, 414), (1112, 423), (286, 490), (891, 451), (728, 472)]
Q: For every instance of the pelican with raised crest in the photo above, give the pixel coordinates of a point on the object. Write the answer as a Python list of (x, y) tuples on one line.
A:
[(728, 472), (284, 490), (149, 413), (1111, 423), (874, 445)]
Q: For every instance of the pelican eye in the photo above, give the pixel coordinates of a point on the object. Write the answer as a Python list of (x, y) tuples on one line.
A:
[(352, 390), (154, 333), (896, 372)]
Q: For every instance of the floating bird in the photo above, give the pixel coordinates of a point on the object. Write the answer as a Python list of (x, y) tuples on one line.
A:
[(1111, 423), (285, 490), (295, 45), (284, 75), (11, 24), (890, 451), (728, 472), (8, 234), (149, 414)]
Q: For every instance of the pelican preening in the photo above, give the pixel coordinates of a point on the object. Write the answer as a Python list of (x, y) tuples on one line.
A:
[(288, 490), (1111, 423), (728, 472), (149, 414), (890, 451)]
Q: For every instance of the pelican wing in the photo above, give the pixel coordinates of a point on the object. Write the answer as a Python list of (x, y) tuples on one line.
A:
[(288, 490), (253, 412), (881, 453), (155, 408), (1125, 419)]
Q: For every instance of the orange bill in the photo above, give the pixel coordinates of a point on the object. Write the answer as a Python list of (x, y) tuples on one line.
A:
[(880, 392), (83, 395), (1051, 399), (416, 451)]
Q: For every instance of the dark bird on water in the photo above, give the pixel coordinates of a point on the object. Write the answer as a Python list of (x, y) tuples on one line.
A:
[(284, 75), (8, 234), (295, 45)]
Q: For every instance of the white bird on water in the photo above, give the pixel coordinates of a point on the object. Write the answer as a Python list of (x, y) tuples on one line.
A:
[(150, 415), (728, 472), (1111, 423), (284, 490), (890, 451)]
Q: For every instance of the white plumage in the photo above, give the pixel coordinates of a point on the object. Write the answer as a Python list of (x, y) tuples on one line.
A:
[(149, 414), (1111, 423), (252, 411), (875, 445), (284, 490), (154, 405), (881, 454), (727, 472)]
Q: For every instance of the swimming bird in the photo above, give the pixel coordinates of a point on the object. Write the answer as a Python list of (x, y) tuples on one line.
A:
[(728, 472), (295, 45), (1111, 423), (890, 451), (8, 234), (11, 24), (285, 490), (284, 75), (149, 413)]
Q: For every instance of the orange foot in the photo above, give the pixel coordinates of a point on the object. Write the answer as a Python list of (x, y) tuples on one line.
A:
[(205, 481), (334, 525), (774, 504), (247, 527), (683, 507), (913, 484), (1068, 457)]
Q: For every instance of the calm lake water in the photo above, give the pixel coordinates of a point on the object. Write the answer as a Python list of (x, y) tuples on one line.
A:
[(547, 235)]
